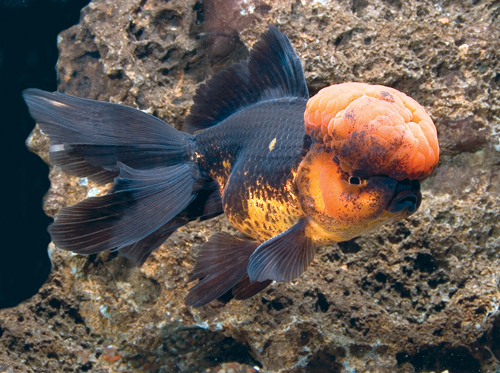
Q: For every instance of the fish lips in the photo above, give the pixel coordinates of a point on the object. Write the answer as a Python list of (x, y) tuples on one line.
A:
[(407, 197)]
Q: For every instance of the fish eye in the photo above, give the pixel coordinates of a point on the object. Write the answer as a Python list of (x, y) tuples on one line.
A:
[(354, 180)]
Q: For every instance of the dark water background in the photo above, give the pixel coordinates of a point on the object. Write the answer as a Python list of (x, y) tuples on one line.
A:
[(28, 56)]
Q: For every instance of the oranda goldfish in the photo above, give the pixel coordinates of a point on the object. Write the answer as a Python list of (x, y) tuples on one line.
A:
[(291, 173)]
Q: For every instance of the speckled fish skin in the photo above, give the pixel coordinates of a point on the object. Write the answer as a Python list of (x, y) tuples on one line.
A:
[(254, 156), (264, 157)]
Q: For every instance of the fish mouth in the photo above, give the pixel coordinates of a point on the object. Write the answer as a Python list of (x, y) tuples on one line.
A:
[(407, 197)]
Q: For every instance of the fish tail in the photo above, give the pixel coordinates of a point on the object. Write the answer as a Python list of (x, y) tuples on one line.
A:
[(90, 138), (157, 186)]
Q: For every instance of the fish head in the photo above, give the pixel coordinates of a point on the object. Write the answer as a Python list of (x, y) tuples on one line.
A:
[(372, 145), (374, 130), (341, 205)]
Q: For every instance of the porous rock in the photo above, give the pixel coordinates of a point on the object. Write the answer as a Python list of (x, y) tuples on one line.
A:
[(420, 294)]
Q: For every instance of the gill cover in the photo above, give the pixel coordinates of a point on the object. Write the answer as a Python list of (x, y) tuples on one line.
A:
[(337, 209)]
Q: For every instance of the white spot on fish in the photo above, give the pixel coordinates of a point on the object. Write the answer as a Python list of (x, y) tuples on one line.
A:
[(83, 181), (271, 144), (56, 148), (60, 104), (93, 192)]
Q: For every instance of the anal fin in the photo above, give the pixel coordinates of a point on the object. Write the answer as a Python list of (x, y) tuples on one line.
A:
[(221, 263), (206, 205), (245, 289), (283, 257)]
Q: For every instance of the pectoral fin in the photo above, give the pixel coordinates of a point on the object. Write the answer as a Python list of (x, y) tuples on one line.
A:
[(284, 257)]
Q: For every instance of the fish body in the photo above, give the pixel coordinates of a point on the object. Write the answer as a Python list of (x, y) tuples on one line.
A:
[(291, 173), (254, 156)]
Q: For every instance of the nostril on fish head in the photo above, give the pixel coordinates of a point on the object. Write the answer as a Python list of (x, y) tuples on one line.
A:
[(407, 197)]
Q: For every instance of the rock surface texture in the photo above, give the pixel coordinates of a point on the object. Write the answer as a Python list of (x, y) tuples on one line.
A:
[(420, 295)]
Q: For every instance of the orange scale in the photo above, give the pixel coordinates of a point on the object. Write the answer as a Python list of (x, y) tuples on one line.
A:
[(317, 116), (408, 102), (324, 130), (331, 129), (423, 144), (327, 115), (323, 103), (411, 145), (386, 131), (341, 128), (420, 115), (430, 133), (402, 128), (380, 93), (414, 128), (312, 106), (405, 113), (396, 121), (418, 164), (334, 106), (429, 159), (376, 108), (377, 140)]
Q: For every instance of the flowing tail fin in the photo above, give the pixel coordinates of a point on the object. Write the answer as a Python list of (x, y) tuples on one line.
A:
[(88, 138), (157, 185)]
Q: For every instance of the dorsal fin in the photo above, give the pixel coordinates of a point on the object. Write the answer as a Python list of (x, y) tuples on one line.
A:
[(272, 71)]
